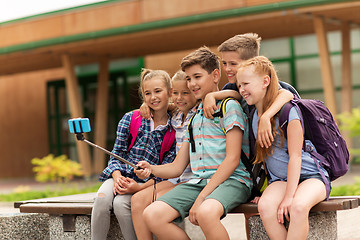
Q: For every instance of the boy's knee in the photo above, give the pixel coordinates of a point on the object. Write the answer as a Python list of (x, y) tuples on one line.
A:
[(153, 214), (209, 211)]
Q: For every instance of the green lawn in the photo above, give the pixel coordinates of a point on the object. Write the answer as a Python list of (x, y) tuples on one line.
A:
[(346, 190), (62, 191)]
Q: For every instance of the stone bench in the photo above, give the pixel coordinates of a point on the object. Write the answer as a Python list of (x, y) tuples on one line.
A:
[(69, 216), (322, 217), (24, 226)]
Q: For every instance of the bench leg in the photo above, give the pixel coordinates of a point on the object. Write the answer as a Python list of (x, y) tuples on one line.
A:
[(322, 225), (79, 227)]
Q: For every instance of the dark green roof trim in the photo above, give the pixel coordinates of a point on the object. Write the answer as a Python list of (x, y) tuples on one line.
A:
[(169, 23)]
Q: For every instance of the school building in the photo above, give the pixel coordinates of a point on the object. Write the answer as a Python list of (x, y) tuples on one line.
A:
[(86, 61)]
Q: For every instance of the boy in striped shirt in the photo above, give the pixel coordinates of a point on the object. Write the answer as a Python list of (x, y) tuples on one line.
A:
[(220, 181)]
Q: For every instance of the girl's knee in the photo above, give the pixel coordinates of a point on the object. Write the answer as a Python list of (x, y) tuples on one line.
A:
[(299, 208), (122, 206), (262, 205), (266, 208), (138, 202), (103, 201)]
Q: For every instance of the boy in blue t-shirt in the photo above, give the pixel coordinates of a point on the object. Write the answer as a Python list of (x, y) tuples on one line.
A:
[(220, 181)]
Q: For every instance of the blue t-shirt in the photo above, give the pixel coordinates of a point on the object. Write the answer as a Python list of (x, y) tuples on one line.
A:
[(277, 163)]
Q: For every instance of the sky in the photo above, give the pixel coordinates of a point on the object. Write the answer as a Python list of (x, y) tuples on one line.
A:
[(14, 9)]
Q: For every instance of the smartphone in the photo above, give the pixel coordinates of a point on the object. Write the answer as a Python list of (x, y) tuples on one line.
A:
[(79, 125)]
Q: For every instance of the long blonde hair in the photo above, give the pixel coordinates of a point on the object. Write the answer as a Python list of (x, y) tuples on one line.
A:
[(263, 66)]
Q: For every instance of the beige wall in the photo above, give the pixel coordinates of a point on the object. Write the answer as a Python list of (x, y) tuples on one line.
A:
[(23, 121), (170, 62)]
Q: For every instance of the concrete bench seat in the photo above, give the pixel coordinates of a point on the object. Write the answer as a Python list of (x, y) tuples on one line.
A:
[(333, 204), (68, 210)]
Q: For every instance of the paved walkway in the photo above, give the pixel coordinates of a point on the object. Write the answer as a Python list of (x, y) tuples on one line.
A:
[(348, 220)]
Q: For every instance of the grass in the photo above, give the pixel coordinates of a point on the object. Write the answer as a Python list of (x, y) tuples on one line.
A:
[(347, 190), (29, 194), (21, 195)]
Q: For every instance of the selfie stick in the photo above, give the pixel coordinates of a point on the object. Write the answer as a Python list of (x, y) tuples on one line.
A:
[(81, 125)]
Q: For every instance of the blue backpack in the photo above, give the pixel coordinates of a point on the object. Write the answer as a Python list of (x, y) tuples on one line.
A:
[(321, 129)]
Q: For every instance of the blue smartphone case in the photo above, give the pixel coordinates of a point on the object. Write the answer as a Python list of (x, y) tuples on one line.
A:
[(79, 125)]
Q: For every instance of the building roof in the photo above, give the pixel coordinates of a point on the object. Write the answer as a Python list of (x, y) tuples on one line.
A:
[(122, 29)]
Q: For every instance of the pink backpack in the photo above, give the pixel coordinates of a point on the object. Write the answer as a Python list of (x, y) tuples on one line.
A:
[(135, 124)]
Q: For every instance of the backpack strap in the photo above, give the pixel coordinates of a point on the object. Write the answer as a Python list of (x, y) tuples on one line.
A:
[(290, 88), (219, 114), (168, 141), (252, 139), (191, 134), (135, 124), (284, 116)]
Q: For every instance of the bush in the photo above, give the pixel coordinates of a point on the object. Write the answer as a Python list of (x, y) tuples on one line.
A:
[(55, 169), (347, 190), (351, 122)]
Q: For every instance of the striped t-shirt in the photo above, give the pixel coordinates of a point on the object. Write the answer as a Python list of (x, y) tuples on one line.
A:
[(181, 129), (210, 142)]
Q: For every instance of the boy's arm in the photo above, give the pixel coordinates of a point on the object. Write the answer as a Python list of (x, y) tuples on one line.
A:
[(146, 112), (265, 136), (209, 102), (170, 170)]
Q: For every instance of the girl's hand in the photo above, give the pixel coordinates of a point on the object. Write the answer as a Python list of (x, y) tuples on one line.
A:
[(119, 184), (284, 209), (130, 186), (145, 111), (194, 208), (209, 105), (144, 171), (265, 137), (255, 200)]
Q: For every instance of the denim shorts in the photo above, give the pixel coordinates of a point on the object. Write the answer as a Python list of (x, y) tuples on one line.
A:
[(306, 177)]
